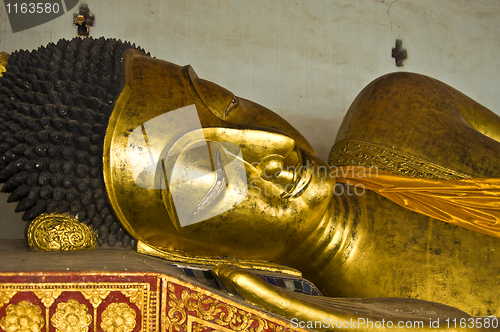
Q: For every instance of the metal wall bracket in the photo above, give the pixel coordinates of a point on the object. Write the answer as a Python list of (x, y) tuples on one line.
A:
[(83, 21), (399, 53)]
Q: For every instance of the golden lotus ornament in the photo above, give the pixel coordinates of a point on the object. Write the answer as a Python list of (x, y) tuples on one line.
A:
[(60, 232)]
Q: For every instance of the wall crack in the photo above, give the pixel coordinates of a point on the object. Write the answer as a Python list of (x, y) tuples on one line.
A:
[(389, 15)]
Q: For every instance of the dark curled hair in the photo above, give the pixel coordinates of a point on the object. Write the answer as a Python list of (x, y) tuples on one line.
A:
[(55, 103)]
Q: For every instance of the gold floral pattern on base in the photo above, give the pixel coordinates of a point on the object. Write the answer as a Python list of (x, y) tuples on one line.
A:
[(22, 317), (5, 297), (118, 317), (48, 297), (103, 301), (209, 309), (135, 296), (71, 316), (95, 296)]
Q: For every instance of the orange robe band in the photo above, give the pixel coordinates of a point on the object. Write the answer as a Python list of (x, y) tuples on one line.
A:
[(469, 203)]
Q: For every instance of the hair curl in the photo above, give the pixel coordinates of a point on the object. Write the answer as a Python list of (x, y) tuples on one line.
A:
[(55, 104)]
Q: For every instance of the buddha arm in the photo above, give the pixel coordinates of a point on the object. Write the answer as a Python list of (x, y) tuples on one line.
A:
[(325, 314), (397, 253)]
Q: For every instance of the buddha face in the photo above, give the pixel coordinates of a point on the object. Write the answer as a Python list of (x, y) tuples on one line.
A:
[(191, 167)]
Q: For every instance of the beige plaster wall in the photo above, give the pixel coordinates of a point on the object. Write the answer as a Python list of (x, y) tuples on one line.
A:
[(306, 60)]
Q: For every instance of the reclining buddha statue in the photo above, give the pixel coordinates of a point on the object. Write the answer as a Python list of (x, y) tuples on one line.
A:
[(401, 221)]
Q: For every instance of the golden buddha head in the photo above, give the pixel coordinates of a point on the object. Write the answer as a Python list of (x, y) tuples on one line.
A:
[(205, 169), (95, 128)]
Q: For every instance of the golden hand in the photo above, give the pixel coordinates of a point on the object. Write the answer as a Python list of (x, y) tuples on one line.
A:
[(350, 314)]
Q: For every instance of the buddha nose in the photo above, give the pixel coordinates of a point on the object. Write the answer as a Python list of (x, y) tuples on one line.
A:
[(277, 169), (270, 167)]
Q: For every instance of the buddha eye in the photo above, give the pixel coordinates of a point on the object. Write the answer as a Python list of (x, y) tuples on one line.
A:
[(234, 102), (217, 187)]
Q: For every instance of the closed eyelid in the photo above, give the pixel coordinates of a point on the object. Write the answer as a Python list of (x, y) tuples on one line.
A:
[(254, 143)]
